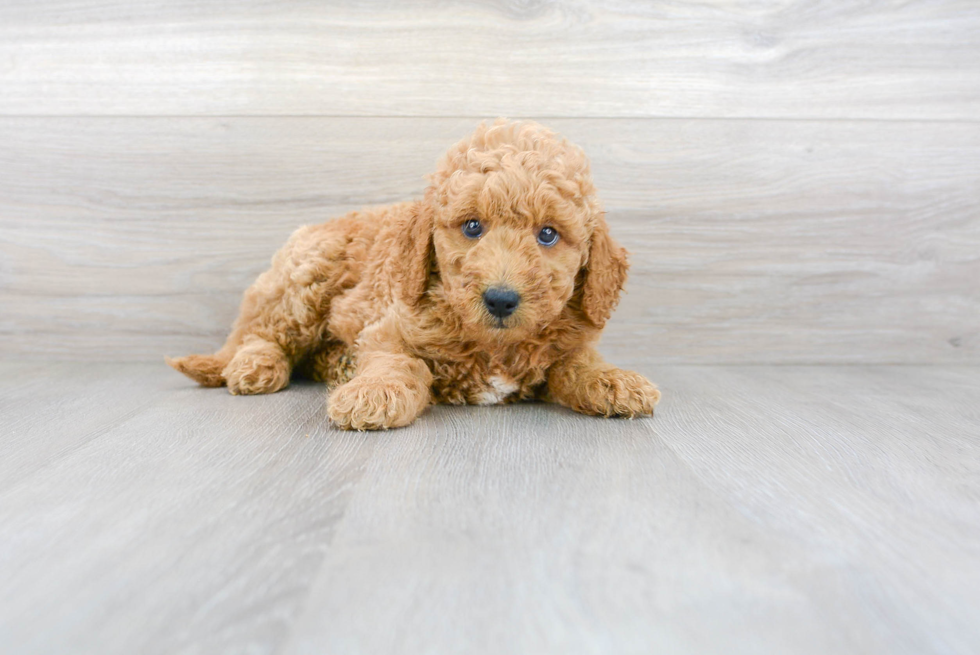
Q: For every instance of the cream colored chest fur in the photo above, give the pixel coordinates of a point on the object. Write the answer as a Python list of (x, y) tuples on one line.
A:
[(479, 382)]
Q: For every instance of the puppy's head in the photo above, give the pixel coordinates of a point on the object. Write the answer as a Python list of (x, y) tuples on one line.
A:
[(517, 234)]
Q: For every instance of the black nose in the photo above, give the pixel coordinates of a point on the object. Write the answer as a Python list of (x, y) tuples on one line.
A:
[(501, 302)]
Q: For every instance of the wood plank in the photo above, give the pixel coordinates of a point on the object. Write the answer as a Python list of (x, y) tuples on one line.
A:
[(886, 59), (43, 422), (193, 526), (783, 509), (752, 241)]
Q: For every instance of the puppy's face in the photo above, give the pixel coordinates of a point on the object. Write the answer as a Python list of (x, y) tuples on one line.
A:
[(509, 247)]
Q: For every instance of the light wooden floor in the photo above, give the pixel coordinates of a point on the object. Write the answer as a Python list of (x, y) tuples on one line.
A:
[(764, 510)]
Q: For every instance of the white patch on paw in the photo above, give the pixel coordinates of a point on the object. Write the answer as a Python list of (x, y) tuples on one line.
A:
[(500, 388)]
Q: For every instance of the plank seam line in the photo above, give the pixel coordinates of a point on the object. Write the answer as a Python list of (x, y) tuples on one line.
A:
[(785, 119)]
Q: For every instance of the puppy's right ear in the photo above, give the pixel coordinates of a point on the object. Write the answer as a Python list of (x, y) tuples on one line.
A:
[(405, 269)]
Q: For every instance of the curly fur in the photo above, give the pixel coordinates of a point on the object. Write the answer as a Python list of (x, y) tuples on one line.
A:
[(385, 305)]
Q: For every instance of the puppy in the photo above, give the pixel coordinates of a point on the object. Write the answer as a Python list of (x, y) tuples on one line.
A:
[(493, 288)]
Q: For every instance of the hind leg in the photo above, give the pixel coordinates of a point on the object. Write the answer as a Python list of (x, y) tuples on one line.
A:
[(259, 366), (284, 314)]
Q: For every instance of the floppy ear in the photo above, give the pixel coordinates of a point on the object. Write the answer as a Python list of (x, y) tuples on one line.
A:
[(605, 275), (399, 270), (409, 258)]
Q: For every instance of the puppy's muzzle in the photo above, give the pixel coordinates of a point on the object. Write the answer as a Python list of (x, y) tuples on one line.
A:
[(501, 302)]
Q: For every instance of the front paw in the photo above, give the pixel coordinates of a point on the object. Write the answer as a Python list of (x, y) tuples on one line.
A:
[(618, 393), (376, 404)]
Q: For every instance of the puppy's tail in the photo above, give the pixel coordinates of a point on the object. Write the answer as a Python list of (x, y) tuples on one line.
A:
[(203, 369)]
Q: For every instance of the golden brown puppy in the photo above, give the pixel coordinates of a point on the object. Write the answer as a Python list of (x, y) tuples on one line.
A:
[(492, 288)]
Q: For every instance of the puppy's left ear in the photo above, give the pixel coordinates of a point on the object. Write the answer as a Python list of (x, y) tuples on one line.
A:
[(406, 267), (605, 275)]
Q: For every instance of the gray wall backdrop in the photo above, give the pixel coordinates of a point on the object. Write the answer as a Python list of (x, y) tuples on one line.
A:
[(798, 182)]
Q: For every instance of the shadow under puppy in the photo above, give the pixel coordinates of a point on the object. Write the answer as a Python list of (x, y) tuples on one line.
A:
[(492, 288)]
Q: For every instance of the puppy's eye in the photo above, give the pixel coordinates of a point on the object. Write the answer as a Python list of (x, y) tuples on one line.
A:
[(472, 228), (548, 236)]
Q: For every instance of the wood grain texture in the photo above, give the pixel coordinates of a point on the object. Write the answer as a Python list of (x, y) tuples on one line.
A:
[(752, 241), (884, 59), (779, 509)]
